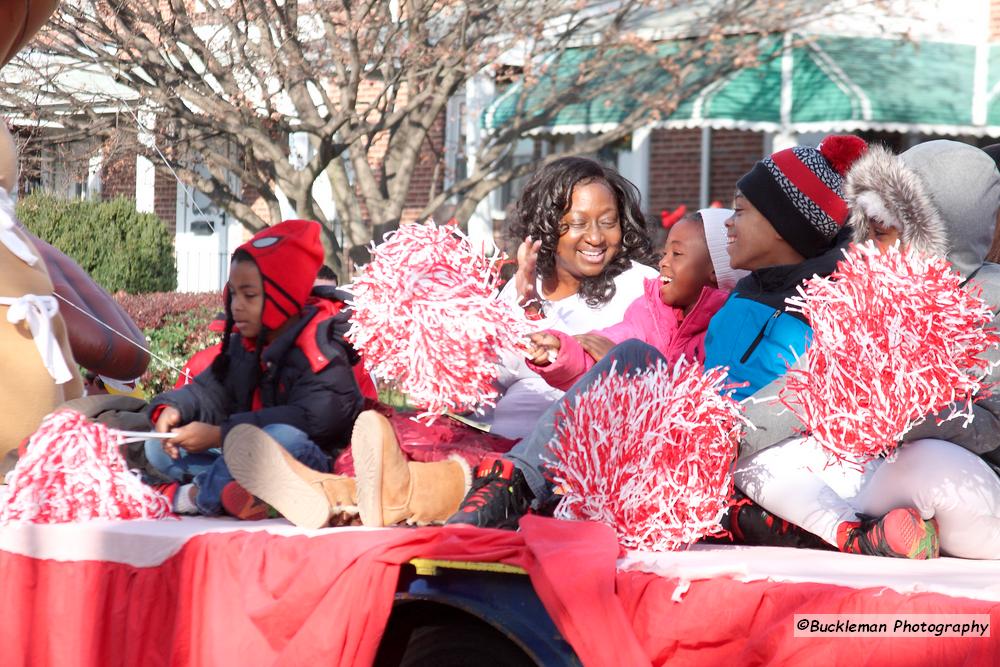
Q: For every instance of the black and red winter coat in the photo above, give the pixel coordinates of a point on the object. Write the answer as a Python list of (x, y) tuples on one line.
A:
[(306, 380)]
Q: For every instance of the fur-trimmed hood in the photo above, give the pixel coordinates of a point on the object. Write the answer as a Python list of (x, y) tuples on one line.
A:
[(943, 196)]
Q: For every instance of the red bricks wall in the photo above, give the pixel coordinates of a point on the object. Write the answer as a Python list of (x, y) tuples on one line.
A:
[(675, 166), (118, 175), (994, 20), (674, 159), (428, 173), (733, 154), (431, 156), (252, 198)]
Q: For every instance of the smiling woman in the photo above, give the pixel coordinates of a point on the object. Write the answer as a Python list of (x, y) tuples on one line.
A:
[(587, 227), (584, 253), (591, 236)]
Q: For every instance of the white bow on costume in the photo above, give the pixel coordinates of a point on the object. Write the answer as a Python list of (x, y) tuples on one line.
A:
[(38, 311)]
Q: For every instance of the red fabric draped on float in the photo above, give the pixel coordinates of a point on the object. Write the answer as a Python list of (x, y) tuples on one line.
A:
[(262, 599), (726, 622)]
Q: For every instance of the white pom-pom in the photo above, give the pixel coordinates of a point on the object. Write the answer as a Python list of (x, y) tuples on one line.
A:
[(650, 454), (896, 338), (72, 471), (427, 318)]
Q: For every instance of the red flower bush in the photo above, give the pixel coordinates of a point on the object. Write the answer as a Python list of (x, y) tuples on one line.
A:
[(176, 326)]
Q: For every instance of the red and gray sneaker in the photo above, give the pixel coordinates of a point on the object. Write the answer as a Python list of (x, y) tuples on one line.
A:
[(499, 496), (169, 490), (900, 533), (242, 504)]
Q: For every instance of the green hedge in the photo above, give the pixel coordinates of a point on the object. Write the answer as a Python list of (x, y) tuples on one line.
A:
[(119, 247)]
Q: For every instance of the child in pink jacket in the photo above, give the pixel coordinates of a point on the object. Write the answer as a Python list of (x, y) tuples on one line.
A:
[(672, 314)]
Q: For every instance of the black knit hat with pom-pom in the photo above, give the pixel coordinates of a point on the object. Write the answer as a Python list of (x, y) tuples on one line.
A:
[(800, 191)]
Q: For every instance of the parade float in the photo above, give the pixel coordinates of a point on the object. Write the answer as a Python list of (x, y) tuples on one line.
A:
[(199, 591)]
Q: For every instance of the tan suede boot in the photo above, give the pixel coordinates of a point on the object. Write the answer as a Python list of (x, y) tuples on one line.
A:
[(391, 489), (435, 493), (306, 497)]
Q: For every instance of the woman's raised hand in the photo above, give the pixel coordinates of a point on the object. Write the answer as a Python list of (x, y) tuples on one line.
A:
[(544, 348), (526, 277)]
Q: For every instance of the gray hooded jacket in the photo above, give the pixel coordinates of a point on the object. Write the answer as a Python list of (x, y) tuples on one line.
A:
[(943, 196)]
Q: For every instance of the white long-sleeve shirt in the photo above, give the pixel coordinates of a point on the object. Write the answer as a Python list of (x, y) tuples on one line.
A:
[(525, 395)]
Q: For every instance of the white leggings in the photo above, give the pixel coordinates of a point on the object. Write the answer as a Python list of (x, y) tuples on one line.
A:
[(939, 479)]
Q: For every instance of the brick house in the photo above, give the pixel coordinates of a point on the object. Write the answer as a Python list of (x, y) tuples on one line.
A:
[(842, 76), (204, 235), (943, 82)]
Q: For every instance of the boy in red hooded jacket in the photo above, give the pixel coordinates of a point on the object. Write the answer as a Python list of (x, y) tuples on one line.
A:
[(284, 368)]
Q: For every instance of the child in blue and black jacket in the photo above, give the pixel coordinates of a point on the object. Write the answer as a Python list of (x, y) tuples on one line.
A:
[(788, 225)]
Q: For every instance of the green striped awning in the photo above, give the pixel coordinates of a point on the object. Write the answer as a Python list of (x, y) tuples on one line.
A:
[(814, 84), (597, 97)]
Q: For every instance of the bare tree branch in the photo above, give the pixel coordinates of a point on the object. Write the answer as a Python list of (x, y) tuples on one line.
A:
[(220, 86)]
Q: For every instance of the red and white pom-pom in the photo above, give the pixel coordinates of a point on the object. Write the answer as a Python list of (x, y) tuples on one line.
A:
[(72, 471), (895, 338), (427, 318), (650, 455)]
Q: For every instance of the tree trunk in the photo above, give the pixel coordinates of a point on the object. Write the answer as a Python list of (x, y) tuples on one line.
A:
[(333, 254)]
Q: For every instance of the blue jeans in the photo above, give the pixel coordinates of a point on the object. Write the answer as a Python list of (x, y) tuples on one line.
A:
[(632, 355), (208, 471)]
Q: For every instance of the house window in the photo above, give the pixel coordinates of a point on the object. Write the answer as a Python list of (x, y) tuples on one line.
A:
[(63, 169), (527, 151)]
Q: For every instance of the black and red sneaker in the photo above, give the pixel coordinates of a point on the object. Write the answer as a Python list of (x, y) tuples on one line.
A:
[(900, 533), (499, 496), (751, 524)]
